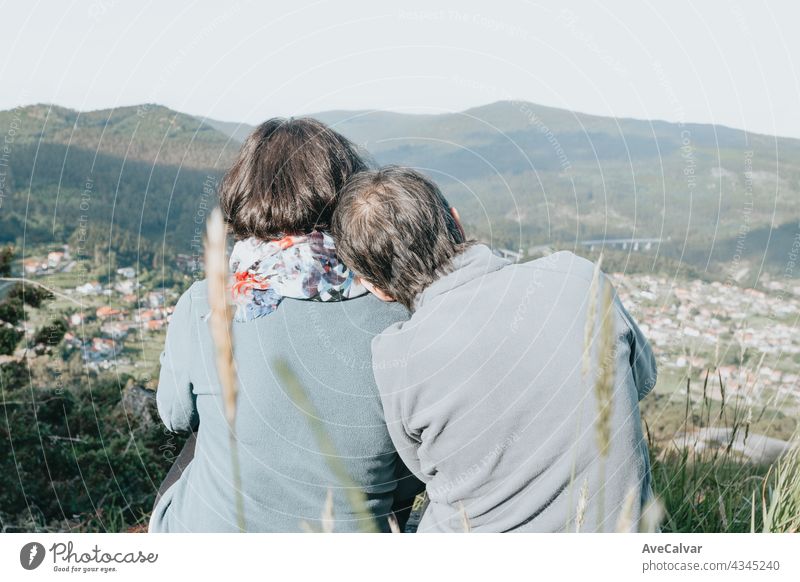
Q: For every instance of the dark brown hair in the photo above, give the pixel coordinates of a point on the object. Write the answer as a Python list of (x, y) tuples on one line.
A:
[(394, 228), (286, 179)]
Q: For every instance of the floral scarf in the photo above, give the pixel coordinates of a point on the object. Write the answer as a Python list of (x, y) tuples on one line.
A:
[(300, 267)]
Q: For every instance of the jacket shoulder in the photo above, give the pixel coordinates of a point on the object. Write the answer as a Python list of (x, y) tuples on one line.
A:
[(565, 262), (198, 292)]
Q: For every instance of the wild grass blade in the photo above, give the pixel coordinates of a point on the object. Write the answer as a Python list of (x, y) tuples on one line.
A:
[(591, 312), (604, 391), (221, 334), (625, 519), (394, 525), (652, 516), (465, 525), (780, 493), (580, 511)]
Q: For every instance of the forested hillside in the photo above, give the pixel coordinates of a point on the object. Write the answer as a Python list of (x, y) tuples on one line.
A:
[(135, 176)]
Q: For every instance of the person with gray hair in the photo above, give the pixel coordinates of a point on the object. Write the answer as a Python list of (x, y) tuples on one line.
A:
[(497, 404)]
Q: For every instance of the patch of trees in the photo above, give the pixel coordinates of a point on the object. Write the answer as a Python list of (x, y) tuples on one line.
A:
[(78, 458)]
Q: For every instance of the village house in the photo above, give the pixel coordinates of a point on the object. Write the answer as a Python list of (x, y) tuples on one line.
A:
[(108, 312), (155, 299), (117, 330), (54, 259), (127, 272), (126, 287), (33, 266), (155, 324), (99, 349), (91, 288)]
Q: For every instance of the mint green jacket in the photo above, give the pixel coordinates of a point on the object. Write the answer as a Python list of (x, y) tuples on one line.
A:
[(285, 475)]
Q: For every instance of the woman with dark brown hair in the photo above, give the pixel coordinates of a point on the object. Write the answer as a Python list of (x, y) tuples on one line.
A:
[(294, 302)]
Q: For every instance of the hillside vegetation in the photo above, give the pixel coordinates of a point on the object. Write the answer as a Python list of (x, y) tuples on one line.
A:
[(525, 175), (522, 175), (142, 174)]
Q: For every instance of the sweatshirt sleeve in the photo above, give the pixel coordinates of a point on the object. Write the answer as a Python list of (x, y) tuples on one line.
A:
[(642, 360), (174, 397), (390, 382)]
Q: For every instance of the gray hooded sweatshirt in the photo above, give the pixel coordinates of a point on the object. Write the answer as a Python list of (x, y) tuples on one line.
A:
[(486, 401)]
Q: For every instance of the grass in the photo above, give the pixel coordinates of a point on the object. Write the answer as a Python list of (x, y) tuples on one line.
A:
[(711, 487), (702, 495), (222, 335), (700, 485), (780, 498)]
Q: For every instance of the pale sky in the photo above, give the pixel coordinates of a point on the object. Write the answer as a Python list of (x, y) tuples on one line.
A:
[(730, 62)]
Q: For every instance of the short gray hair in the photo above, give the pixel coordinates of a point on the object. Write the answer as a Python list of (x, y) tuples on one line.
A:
[(394, 228)]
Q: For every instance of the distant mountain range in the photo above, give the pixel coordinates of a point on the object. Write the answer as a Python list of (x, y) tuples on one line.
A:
[(521, 174)]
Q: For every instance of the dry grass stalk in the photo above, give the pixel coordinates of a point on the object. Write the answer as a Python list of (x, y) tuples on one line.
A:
[(588, 342), (464, 518), (326, 518), (590, 317), (604, 386), (221, 334), (583, 501), (327, 513), (604, 390), (625, 519), (221, 314), (652, 517), (723, 517), (394, 525)]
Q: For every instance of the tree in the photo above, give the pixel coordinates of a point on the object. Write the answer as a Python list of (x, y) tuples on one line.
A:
[(9, 338), (13, 376), (6, 256), (52, 334), (12, 311), (33, 295)]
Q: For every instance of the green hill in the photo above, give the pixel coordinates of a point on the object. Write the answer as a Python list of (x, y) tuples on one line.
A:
[(133, 175), (521, 174), (525, 175), (148, 133)]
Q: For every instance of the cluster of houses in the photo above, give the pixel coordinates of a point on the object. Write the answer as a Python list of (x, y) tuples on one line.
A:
[(54, 262), (746, 336), (136, 311), (112, 312)]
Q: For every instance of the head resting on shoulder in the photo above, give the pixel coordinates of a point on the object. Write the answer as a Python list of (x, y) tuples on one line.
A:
[(395, 230)]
